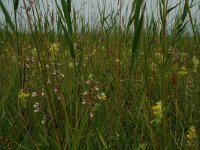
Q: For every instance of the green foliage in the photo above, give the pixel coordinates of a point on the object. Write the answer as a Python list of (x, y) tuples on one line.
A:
[(104, 84)]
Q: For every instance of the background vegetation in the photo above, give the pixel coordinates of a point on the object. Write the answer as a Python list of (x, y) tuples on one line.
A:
[(72, 82)]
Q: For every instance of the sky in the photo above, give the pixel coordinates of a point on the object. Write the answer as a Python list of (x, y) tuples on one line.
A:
[(89, 7)]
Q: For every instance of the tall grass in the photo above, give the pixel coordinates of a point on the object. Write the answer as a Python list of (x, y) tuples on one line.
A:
[(104, 81)]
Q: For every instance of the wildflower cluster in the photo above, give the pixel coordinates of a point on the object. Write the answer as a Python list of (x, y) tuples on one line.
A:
[(195, 63), (183, 56), (92, 98), (37, 107), (159, 57), (71, 65), (23, 96), (157, 112), (102, 96), (44, 119), (156, 61), (54, 48), (183, 71), (153, 67), (191, 135), (34, 53)]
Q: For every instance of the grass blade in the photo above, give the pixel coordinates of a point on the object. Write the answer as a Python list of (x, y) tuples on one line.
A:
[(7, 17), (68, 32), (16, 4), (66, 7), (136, 39), (172, 8), (68, 40), (102, 139)]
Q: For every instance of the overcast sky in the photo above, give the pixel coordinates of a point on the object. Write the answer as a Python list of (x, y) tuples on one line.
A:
[(89, 7)]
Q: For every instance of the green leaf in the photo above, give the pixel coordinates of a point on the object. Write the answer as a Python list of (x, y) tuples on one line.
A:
[(16, 4), (136, 39), (170, 9), (10, 89), (68, 40), (67, 10), (102, 139), (7, 17), (66, 18)]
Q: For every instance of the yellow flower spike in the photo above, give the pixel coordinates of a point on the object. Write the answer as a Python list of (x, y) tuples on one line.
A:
[(191, 135), (90, 76), (153, 67), (117, 60), (103, 96), (34, 52), (183, 71), (93, 52), (71, 65), (184, 55), (157, 112), (54, 48), (170, 51), (195, 63), (22, 96), (159, 57)]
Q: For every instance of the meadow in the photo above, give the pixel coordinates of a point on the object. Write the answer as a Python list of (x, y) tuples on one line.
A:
[(68, 81)]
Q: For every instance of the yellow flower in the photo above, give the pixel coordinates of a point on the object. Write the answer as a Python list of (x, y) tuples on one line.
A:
[(183, 71), (159, 57), (54, 48), (117, 60), (90, 76), (195, 62), (157, 112), (71, 65), (184, 55), (153, 67), (157, 109), (191, 135), (22, 96), (102, 96), (170, 51), (94, 52), (34, 52)]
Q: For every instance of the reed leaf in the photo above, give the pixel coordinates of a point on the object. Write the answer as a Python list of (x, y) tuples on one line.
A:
[(68, 40), (16, 4), (12, 86), (102, 139), (68, 32), (136, 39), (187, 7), (7, 17), (172, 8), (66, 7)]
